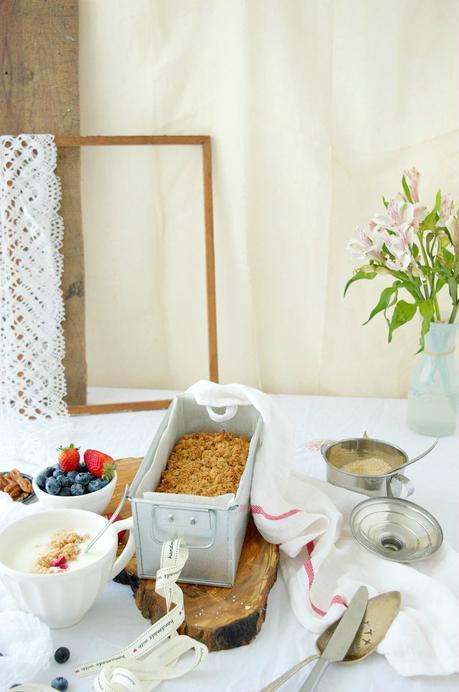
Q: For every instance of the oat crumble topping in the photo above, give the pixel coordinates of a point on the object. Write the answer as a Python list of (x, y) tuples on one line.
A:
[(63, 547), (205, 464)]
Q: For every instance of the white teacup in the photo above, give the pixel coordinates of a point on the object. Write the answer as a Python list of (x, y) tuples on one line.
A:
[(61, 599)]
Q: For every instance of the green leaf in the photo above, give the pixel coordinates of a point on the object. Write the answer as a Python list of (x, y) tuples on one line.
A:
[(438, 202), (448, 258), (411, 289), (406, 190), (430, 221), (445, 230), (403, 313), (441, 281), (427, 310), (452, 287), (384, 301), (359, 275), (385, 202)]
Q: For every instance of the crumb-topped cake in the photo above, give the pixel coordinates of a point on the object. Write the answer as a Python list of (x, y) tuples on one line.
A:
[(205, 464)]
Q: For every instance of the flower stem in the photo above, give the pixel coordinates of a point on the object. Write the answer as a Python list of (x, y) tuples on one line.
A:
[(437, 307), (452, 317)]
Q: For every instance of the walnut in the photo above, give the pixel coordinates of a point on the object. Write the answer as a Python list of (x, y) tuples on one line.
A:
[(15, 485)]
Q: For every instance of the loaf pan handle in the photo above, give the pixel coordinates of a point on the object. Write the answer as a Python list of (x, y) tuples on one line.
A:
[(188, 545), (228, 413)]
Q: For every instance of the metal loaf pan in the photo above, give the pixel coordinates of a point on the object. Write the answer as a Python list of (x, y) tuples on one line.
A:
[(213, 527)]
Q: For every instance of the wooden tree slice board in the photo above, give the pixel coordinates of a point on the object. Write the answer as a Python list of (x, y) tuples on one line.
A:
[(221, 618)]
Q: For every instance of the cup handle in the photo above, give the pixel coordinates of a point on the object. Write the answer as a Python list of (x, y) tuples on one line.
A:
[(406, 484), (325, 445), (129, 549)]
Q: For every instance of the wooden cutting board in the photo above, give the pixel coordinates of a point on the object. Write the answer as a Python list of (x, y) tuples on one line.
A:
[(221, 618)]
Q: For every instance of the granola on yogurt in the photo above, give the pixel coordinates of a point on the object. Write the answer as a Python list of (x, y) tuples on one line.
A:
[(64, 547)]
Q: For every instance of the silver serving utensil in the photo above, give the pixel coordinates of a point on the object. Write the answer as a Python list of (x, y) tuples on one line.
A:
[(110, 521), (341, 638), (420, 456), (380, 613)]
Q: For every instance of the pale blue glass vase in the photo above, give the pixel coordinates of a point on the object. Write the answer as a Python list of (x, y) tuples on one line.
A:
[(433, 398)]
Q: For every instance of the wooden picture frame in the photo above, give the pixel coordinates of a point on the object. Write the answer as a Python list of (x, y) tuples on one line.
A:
[(204, 141)]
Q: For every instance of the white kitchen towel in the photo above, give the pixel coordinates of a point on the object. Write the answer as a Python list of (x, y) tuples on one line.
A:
[(323, 565)]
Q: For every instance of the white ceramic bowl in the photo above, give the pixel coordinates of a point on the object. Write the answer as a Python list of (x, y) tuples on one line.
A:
[(61, 599), (92, 502)]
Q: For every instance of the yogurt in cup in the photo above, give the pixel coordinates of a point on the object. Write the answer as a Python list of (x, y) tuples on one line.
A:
[(62, 598)]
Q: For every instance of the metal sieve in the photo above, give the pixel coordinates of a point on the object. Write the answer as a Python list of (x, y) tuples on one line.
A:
[(396, 529)]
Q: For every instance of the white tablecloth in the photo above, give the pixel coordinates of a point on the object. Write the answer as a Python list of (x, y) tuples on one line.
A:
[(282, 642)]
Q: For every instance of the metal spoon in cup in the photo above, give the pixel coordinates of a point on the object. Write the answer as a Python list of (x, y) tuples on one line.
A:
[(379, 615), (109, 522), (420, 456)]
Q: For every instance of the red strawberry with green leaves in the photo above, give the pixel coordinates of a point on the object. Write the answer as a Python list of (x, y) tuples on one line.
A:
[(69, 458), (99, 464)]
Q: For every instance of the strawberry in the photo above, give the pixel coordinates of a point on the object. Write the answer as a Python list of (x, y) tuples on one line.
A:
[(99, 464), (60, 562), (68, 458)]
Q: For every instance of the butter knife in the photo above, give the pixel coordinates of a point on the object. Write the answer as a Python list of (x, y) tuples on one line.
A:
[(341, 639)]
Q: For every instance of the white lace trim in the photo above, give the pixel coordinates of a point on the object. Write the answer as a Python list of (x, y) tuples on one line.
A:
[(32, 309)]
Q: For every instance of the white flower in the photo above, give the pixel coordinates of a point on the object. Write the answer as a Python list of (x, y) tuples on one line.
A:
[(400, 212), (368, 244), (399, 246)]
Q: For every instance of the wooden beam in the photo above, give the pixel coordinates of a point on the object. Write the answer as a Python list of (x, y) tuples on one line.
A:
[(210, 261), (122, 407), (130, 140), (38, 94)]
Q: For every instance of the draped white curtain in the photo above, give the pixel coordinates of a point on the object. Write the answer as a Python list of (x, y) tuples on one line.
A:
[(314, 107)]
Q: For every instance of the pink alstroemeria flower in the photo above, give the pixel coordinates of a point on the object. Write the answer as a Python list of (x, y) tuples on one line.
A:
[(399, 212), (399, 245), (447, 209), (368, 244), (412, 176), (452, 224)]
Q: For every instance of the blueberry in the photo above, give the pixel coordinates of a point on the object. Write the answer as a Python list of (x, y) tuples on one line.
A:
[(41, 480), (60, 684), (77, 489), (62, 654), (82, 468), (66, 482), (57, 473), (103, 482), (83, 478), (49, 470), (71, 475), (53, 486), (94, 486), (65, 492)]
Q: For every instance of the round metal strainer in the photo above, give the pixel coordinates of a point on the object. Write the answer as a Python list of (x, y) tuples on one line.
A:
[(396, 529)]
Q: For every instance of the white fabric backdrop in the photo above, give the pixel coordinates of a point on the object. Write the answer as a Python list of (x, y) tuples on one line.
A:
[(315, 107)]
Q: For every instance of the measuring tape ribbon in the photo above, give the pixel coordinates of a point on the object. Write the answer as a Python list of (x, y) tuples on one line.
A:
[(152, 657)]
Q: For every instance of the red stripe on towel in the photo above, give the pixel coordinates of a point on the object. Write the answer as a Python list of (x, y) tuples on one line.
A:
[(308, 566), (256, 509), (309, 569)]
